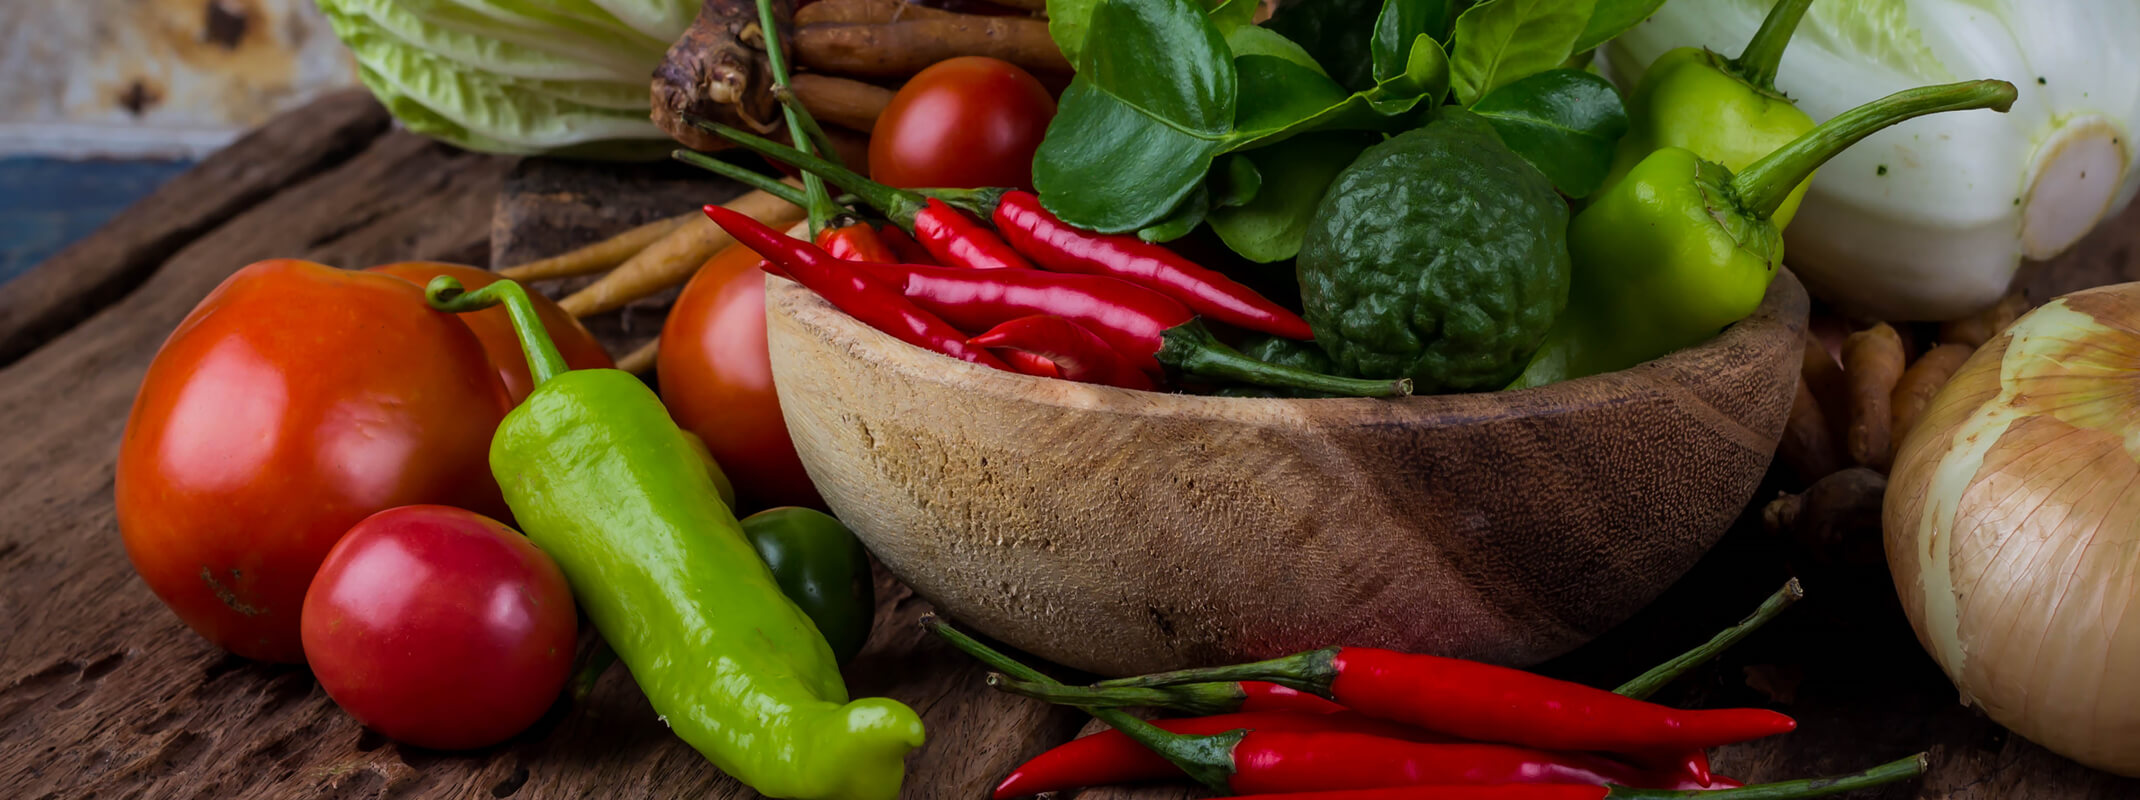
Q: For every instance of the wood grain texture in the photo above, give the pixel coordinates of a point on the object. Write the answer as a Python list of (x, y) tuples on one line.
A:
[(1123, 532), (99, 269)]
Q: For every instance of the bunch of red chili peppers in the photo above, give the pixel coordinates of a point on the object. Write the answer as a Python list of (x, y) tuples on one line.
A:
[(1367, 724), (1053, 300)]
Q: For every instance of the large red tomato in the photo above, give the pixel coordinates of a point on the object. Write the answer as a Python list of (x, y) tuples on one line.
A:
[(495, 327), (439, 627), (962, 123), (294, 401), (717, 379)]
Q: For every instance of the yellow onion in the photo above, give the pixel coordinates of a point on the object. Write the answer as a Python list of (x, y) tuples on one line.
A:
[(2013, 527)]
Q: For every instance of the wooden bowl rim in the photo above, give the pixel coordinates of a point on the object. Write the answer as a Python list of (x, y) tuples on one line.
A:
[(813, 312)]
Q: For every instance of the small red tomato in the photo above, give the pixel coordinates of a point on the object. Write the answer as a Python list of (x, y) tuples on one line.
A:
[(717, 379), (962, 123), (439, 627), (294, 401), (495, 328)]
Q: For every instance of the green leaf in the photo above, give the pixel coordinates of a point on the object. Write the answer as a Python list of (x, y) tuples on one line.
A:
[(1612, 18), (1234, 181), (1400, 22), (1277, 93), (1232, 15), (1067, 22), (1251, 40), (1566, 122), (1164, 58), (1278, 105), (1295, 174), (1105, 166), (1502, 41), (1337, 33), (1183, 219)]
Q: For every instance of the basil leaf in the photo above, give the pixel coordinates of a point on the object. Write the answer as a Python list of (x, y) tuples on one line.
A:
[(1612, 18), (1164, 58), (1106, 166), (1234, 181), (1295, 173), (1337, 34), (1067, 21), (1183, 219), (1400, 22), (1502, 41), (1566, 122)]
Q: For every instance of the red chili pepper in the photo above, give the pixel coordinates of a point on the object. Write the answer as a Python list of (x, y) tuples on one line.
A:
[(1266, 696), (1044, 238), (1286, 761), (1518, 792), (1109, 757), (871, 301), (855, 241), (904, 246), (1482, 702), (1060, 247), (1078, 353), (1146, 326), (961, 241)]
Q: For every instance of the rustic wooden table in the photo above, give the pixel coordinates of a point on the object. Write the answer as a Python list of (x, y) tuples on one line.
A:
[(104, 693)]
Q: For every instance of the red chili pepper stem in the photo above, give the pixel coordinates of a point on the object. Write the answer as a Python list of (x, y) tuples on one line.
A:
[(1193, 349), (897, 205), (742, 175), (1646, 684), (820, 206), (1891, 772), (1197, 699), (1207, 759), (444, 293)]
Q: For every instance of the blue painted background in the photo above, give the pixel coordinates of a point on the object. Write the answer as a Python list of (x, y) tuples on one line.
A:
[(47, 204)]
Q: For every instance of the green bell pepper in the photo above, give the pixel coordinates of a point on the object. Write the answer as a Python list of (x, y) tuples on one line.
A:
[(822, 567), (601, 479), (1681, 247), (1726, 110)]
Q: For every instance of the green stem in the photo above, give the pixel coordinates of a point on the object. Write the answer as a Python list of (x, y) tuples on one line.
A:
[(1208, 759), (742, 175), (897, 205), (1649, 682), (820, 205), (820, 141), (446, 294), (1763, 185), (1199, 699), (1758, 64), (1897, 770), (1309, 672), (1191, 348)]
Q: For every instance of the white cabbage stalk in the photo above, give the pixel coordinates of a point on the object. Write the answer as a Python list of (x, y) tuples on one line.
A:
[(1931, 219)]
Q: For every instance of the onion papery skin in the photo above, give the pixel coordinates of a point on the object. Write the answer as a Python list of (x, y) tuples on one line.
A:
[(2013, 528)]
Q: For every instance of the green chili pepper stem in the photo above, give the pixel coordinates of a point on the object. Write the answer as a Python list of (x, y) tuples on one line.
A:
[(1191, 348), (1897, 770), (599, 660), (446, 294), (1309, 672), (820, 141), (820, 207), (898, 205), (1646, 684), (741, 175), (1208, 759), (1199, 699), (1763, 185), (1764, 53)]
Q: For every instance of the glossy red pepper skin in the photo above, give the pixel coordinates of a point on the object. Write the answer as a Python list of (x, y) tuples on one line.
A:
[(957, 240), (1058, 246), (1517, 792), (1125, 315), (1277, 761), (1109, 757), (1266, 696), (876, 304), (1487, 703), (856, 242), (904, 246), (1079, 354)]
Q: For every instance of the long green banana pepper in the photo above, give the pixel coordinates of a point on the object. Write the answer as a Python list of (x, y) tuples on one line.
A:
[(602, 480), (1726, 110), (1682, 247)]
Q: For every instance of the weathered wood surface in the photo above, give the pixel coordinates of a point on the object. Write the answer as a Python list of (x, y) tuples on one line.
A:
[(104, 693)]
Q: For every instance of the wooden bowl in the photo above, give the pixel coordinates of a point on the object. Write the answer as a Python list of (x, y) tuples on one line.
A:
[(1124, 532)]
